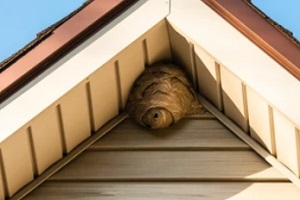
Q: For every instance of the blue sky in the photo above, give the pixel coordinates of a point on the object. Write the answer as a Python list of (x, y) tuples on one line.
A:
[(285, 12), (21, 20)]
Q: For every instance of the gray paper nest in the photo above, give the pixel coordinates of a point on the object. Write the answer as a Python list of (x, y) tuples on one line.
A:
[(161, 96)]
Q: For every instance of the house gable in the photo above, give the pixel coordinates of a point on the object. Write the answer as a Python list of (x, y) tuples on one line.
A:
[(74, 93)]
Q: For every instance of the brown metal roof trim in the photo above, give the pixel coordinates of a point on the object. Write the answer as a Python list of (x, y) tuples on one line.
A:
[(254, 25), (285, 31), (58, 40)]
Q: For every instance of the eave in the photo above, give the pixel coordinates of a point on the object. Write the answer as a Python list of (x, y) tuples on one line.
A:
[(53, 43)]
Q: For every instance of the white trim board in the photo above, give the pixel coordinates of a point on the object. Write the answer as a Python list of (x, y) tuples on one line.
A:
[(79, 64), (238, 54)]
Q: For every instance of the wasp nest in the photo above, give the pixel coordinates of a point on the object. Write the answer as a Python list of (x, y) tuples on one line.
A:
[(161, 96)]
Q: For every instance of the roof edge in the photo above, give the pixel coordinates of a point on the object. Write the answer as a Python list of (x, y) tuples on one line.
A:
[(282, 29), (28, 66), (275, 42)]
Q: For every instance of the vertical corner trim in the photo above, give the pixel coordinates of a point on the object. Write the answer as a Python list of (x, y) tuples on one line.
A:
[(297, 136), (272, 130), (194, 65), (61, 127), (146, 52), (245, 103), (32, 152), (119, 86), (90, 106), (219, 86), (3, 173)]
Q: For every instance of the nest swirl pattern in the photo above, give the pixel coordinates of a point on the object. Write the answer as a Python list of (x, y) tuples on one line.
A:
[(161, 96)]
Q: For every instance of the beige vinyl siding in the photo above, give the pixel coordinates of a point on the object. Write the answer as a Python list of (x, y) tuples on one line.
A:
[(287, 142), (198, 157), (261, 121), (16, 162), (166, 191), (198, 134)]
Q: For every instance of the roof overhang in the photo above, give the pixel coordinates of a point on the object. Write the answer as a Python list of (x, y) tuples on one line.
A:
[(262, 31), (54, 42)]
